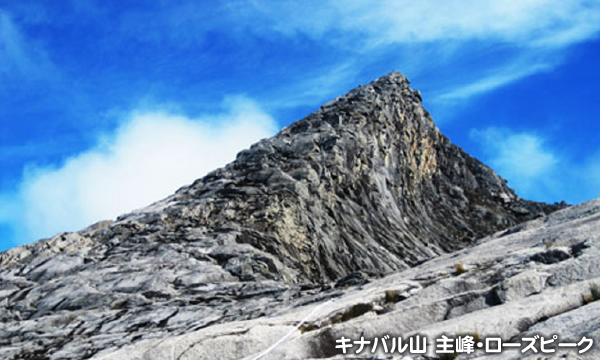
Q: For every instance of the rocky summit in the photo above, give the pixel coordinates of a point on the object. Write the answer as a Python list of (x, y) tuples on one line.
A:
[(363, 201)]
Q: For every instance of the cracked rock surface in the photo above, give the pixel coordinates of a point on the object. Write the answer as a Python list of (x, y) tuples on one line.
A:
[(365, 187), (503, 292)]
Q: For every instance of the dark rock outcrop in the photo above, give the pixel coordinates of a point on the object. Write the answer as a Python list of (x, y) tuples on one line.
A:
[(367, 185)]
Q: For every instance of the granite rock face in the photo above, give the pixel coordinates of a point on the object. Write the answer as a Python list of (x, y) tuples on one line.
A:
[(364, 187), (501, 290)]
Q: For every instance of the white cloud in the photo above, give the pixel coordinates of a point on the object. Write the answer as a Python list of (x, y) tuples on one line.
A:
[(147, 158), (535, 32), (527, 22), (498, 78), (523, 159), (536, 170)]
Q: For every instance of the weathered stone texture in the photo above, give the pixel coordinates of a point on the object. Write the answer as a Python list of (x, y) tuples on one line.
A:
[(364, 187)]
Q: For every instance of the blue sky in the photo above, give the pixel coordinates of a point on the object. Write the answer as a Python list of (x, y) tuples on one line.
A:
[(106, 106)]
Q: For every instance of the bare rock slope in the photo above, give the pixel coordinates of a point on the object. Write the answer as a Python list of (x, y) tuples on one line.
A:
[(364, 187), (539, 278)]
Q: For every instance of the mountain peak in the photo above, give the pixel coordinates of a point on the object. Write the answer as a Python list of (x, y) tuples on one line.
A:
[(365, 185), (392, 85), (394, 82), (393, 78)]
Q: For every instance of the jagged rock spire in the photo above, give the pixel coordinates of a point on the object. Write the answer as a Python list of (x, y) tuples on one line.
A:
[(366, 184)]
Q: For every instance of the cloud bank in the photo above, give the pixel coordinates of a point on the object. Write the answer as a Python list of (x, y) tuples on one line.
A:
[(147, 158)]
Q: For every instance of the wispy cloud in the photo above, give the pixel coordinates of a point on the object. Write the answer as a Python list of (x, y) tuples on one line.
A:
[(524, 159), (589, 178), (535, 168), (12, 52), (487, 83), (362, 32), (527, 22), (536, 32), (312, 89), (18, 55), (147, 158)]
